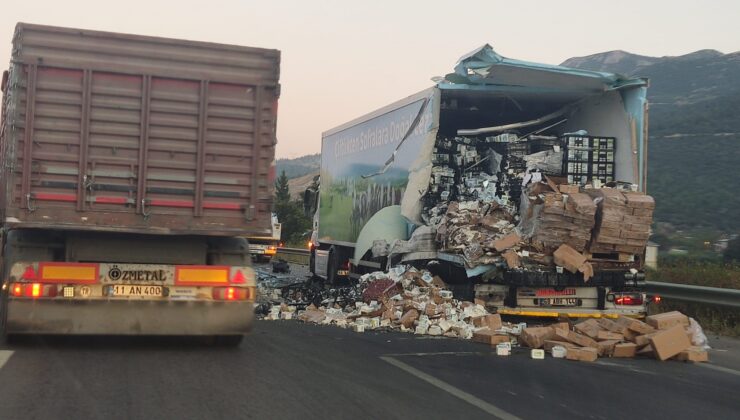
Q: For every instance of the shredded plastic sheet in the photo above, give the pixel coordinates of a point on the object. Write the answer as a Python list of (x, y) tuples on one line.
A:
[(698, 338)]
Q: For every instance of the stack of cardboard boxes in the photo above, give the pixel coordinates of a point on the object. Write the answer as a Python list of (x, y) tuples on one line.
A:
[(623, 221), (567, 217)]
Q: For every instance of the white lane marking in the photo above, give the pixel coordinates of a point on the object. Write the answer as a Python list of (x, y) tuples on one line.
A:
[(440, 353), (628, 367), (4, 357), (720, 368), (468, 398)]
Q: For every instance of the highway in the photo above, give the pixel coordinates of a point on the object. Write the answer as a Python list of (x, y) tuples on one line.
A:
[(286, 369)]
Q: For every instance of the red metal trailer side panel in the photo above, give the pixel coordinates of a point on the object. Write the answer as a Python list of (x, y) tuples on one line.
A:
[(116, 132)]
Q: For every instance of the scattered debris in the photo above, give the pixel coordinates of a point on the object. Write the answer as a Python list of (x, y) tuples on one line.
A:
[(414, 301), (280, 266)]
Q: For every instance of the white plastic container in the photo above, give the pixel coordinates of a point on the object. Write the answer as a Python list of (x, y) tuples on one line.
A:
[(559, 352)]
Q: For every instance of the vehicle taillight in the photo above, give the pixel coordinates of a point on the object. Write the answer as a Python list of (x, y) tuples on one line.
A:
[(231, 293), (33, 290), (657, 299), (627, 299)]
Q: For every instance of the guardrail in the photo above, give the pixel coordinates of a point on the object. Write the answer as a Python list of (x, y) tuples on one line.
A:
[(293, 255), (698, 294)]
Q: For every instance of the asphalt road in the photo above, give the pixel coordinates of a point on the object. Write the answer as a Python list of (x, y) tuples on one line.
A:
[(286, 369)]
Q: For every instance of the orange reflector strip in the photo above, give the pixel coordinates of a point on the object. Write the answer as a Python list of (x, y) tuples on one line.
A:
[(84, 273), (205, 275)]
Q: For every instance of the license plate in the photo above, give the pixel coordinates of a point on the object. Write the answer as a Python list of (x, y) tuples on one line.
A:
[(559, 302), (136, 290)]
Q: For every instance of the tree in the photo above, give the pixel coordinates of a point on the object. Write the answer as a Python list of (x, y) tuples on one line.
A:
[(282, 192), (290, 213)]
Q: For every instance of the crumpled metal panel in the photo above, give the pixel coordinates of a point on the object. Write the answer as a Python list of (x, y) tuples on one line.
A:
[(484, 66)]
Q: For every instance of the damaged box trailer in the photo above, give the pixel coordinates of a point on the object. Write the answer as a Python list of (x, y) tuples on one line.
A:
[(518, 182)]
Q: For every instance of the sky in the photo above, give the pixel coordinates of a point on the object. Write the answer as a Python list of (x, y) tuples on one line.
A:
[(343, 59)]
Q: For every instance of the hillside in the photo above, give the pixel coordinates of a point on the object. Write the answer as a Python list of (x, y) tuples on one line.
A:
[(299, 166)]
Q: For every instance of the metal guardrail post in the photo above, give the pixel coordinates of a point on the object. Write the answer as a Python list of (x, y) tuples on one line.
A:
[(698, 294)]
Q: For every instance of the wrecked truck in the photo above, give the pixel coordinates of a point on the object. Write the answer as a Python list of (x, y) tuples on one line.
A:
[(518, 183)]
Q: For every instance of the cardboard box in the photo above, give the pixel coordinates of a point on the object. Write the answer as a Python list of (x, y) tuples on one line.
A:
[(667, 320), (612, 326), (407, 320), (549, 344), (512, 259), (491, 321), (693, 354), (490, 337), (560, 334), (643, 340), (636, 325), (568, 189), (582, 354), (630, 335), (535, 337), (608, 335), (639, 200), (506, 242), (625, 350), (606, 348), (670, 342), (568, 258), (647, 351), (582, 340), (589, 327)]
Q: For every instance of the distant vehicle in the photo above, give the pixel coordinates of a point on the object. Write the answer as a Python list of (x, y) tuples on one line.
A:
[(263, 248), (383, 173), (134, 167)]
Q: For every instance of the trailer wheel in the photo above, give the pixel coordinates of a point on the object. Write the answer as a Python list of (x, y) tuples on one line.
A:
[(331, 268)]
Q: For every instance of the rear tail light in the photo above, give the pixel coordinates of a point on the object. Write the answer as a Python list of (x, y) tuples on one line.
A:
[(628, 299), (231, 293), (33, 290)]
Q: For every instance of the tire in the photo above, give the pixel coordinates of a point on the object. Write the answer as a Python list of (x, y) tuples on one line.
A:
[(229, 340), (331, 268)]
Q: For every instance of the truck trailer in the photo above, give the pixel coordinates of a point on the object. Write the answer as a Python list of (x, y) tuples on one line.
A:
[(515, 182), (263, 248), (133, 168)]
